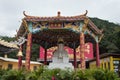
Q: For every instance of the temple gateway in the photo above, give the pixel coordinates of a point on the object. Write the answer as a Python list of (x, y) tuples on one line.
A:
[(76, 31)]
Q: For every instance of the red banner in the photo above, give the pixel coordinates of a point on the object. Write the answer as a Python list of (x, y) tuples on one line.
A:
[(88, 52)]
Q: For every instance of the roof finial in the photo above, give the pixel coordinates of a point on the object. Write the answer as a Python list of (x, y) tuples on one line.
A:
[(60, 40), (85, 13), (58, 13), (25, 14)]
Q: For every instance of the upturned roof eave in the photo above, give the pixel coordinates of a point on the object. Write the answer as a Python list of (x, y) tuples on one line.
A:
[(54, 18), (60, 18), (94, 27)]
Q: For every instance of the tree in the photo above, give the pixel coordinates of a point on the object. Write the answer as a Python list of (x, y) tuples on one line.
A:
[(111, 39)]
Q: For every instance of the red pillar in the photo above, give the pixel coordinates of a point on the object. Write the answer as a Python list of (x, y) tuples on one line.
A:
[(45, 57), (19, 62), (97, 55), (75, 62), (82, 57), (39, 52), (20, 57), (28, 51)]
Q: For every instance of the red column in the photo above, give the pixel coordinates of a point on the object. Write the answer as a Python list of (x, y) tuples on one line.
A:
[(75, 63), (45, 57), (97, 55), (28, 51), (82, 57), (20, 57), (39, 52), (19, 62)]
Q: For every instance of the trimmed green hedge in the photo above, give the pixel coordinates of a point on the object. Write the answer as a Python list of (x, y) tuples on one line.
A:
[(47, 74)]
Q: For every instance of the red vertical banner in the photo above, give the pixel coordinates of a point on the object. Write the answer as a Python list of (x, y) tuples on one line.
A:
[(42, 51), (88, 51), (82, 50), (28, 51)]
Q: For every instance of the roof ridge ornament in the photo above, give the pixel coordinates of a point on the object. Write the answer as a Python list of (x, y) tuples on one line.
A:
[(58, 14), (25, 14), (85, 13)]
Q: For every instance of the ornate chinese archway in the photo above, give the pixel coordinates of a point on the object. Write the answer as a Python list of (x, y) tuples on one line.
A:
[(75, 30)]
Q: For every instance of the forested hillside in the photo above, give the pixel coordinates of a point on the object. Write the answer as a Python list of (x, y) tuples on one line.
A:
[(111, 40), (109, 43)]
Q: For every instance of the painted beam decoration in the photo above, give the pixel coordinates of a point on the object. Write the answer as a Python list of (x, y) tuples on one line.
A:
[(75, 26), (37, 27), (88, 52)]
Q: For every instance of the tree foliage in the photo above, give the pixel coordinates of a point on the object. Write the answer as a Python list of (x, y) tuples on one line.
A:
[(111, 40), (44, 73)]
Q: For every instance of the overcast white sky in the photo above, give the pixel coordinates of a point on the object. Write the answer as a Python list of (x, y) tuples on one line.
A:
[(11, 11)]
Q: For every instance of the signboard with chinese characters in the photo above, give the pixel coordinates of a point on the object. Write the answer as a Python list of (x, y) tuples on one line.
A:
[(55, 25)]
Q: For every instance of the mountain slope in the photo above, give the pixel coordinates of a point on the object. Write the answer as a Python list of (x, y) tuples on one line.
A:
[(111, 39)]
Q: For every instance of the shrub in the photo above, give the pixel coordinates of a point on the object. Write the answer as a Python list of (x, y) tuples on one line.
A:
[(2, 72), (14, 75), (99, 74), (64, 75), (67, 74), (81, 75), (110, 75)]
